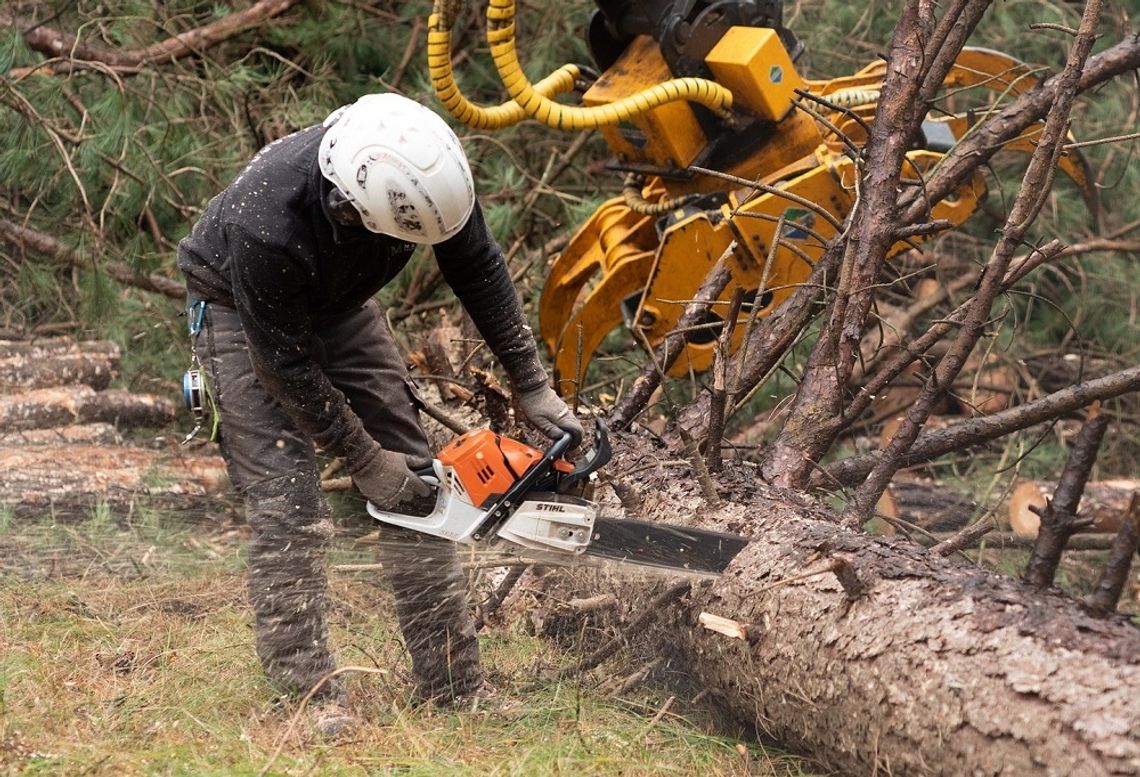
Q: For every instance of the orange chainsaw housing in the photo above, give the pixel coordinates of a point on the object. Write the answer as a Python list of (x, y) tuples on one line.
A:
[(487, 464)]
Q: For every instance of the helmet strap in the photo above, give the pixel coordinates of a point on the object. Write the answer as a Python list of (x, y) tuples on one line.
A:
[(341, 209)]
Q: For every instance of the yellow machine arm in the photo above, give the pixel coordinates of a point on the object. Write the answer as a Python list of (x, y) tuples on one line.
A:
[(640, 257)]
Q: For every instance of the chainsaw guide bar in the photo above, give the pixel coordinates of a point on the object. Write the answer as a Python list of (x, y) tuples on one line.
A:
[(664, 545), (504, 495)]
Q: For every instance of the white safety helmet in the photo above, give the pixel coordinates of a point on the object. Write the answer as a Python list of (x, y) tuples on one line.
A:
[(401, 167)]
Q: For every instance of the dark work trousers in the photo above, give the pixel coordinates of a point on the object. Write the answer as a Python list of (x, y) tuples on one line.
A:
[(274, 466)]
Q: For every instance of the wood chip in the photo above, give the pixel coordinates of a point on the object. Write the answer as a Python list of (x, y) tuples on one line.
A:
[(725, 626)]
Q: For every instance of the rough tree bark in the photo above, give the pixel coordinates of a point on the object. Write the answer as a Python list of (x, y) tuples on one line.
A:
[(939, 667)]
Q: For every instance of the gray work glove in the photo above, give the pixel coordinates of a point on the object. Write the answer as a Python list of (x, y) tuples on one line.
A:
[(386, 480), (549, 414)]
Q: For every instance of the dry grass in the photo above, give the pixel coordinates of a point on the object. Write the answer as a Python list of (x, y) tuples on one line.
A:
[(128, 651)]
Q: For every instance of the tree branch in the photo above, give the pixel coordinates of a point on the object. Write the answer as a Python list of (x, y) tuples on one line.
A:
[(922, 52), (1059, 518), (57, 43), (963, 435), (1035, 187), (45, 244), (1107, 593), (989, 137)]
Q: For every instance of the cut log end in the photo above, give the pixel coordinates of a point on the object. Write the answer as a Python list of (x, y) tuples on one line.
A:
[(1104, 504)]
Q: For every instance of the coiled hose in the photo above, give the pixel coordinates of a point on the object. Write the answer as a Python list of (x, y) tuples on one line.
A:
[(443, 78), (852, 97), (534, 101), (501, 37)]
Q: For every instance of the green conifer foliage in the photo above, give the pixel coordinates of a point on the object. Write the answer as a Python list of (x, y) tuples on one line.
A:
[(115, 163)]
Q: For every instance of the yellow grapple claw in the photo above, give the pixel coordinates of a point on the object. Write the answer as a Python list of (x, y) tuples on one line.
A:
[(590, 322), (626, 266), (614, 245)]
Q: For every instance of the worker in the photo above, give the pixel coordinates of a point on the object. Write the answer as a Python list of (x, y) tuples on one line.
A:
[(281, 270)]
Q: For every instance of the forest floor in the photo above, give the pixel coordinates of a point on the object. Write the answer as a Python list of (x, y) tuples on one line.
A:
[(126, 648), (126, 645)]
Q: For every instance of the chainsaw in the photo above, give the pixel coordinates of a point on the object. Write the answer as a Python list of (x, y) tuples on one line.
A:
[(502, 494)]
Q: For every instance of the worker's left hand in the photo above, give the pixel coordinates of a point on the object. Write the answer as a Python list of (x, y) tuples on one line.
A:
[(550, 414)]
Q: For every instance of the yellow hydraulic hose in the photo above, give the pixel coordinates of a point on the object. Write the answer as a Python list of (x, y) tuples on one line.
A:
[(501, 37), (631, 192), (477, 116), (534, 100), (853, 97)]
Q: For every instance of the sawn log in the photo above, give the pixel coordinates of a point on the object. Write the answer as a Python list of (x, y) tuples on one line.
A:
[(68, 481), (1104, 504), (57, 362)]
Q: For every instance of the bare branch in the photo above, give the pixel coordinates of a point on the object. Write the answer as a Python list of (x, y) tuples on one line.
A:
[(965, 538), (45, 244), (1030, 199), (961, 436), (57, 43), (765, 347), (987, 138), (808, 431), (720, 383), (1107, 593), (1059, 518)]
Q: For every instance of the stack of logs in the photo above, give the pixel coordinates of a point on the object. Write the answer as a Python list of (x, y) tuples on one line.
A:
[(68, 443)]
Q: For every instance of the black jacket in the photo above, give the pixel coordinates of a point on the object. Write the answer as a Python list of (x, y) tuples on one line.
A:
[(267, 247)]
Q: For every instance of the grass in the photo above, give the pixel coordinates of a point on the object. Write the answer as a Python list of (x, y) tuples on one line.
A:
[(127, 650)]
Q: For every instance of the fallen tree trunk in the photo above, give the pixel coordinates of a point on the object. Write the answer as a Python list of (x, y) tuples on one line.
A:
[(936, 668)]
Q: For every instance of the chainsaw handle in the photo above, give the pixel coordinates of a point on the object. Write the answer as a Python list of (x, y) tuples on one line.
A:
[(559, 447), (429, 474), (595, 460)]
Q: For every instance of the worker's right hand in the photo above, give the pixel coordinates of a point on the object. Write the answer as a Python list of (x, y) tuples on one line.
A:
[(386, 480)]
